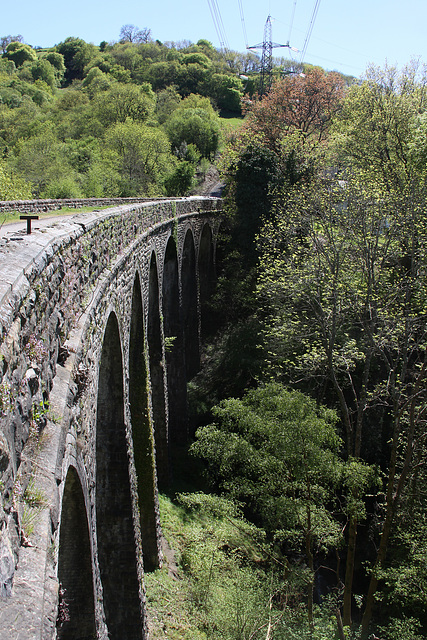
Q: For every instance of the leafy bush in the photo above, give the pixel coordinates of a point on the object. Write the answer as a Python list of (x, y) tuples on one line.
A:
[(62, 187), (181, 180)]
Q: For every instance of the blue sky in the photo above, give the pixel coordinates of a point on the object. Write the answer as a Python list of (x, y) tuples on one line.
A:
[(347, 35)]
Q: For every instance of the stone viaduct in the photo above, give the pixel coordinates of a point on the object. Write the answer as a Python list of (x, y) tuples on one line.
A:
[(101, 317)]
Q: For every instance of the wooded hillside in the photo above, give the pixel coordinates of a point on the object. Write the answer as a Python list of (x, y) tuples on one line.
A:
[(135, 117)]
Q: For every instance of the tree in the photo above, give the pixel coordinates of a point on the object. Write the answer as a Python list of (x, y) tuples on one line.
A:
[(142, 157), (306, 104), (167, 100), (341, 277), (72, 115), (96, 82), (377, 127), (20, 123), (404, 576), (276, 452), (226, 90), (125, 101), (57, 61), (180, 181), (43, 70), (6, 40), (20, 53), (164, 74), (130, 33), (77, 54), (12, 187), (279, 143), (192, 78), (194, 122), (196, 57), (126, 55), (243, 63), (41, 159), (251, 183)]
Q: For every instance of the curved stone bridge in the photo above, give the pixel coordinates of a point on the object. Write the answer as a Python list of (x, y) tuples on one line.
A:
[(101, 316)]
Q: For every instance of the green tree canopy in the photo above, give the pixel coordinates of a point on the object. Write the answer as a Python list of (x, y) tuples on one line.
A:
[(142, 156), (12, 187), (124, 101), (341, 276), (77, 54), (227, 91), (377, 127), (57, 61), (20, 53), (43, 70), (276, 452), (197, 125)]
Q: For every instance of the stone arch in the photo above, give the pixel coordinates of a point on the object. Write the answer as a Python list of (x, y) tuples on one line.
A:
[(155, 355), (190, 316), (174, 351), (206, 268), (115, 531), (76, 608), (141, 432)]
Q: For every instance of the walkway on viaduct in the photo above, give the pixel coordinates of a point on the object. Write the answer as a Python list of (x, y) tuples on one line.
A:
[(101, 317)]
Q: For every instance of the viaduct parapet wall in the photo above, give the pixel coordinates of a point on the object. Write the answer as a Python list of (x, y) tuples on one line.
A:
[(51, 204), (100, 323)]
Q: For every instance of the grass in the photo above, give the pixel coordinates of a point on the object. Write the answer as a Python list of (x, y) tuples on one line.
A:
[(224, 583), (215, 584), (229, 125), (14, 216), (223, 580), (216, 588), (34, 501)]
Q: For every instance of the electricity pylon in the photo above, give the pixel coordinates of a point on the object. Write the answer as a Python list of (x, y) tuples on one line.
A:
[(267, 57)]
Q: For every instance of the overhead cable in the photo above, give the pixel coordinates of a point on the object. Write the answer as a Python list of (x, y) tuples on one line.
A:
[(292, 20), (242, 18), (218, 23), (310, 29)]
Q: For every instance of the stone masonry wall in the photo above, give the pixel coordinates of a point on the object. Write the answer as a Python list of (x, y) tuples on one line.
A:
[(83, 272), (35, 206)]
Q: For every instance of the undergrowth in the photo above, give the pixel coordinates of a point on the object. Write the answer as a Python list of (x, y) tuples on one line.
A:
[(219, 589), (225, 582)]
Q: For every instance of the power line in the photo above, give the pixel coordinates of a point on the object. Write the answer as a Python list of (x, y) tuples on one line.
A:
[(242, 19), (218, 23), (310, 29), (292, 20)]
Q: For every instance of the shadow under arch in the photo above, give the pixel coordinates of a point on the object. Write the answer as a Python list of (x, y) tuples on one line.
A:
[(174, 348), (142, 437), (190, 316), (155, 356), (207, 280), (115, 531), (76, 608)]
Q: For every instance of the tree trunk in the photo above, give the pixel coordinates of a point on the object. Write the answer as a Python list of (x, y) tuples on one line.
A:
[(310, 562), (395, 486), (311, 582), (373, 584), (349, 570), (340, 627)]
